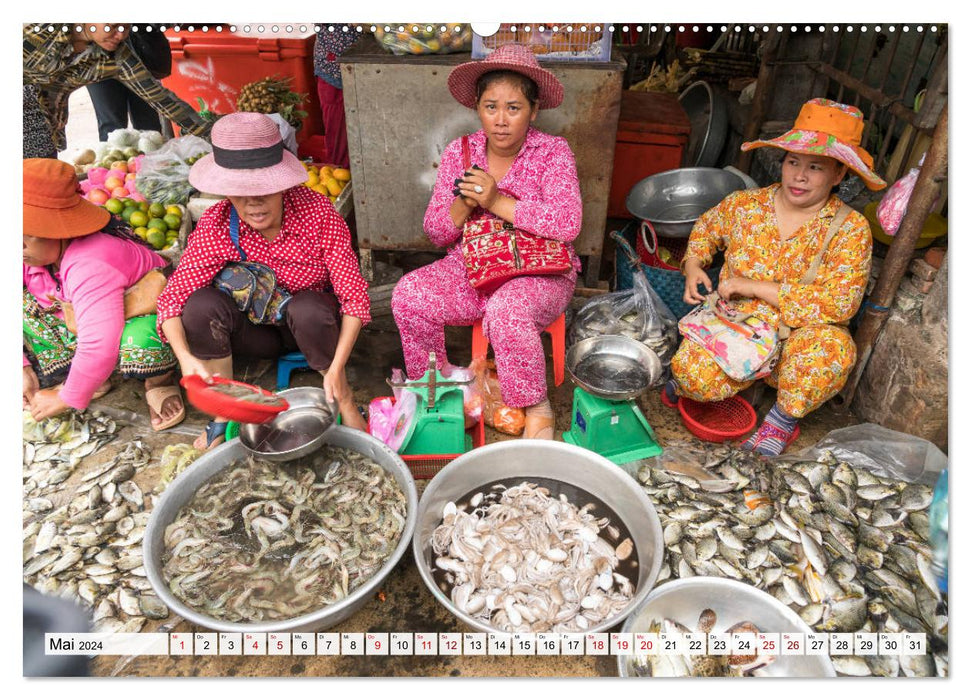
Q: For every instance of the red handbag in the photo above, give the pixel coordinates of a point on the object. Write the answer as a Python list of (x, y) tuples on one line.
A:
[(496, 251)]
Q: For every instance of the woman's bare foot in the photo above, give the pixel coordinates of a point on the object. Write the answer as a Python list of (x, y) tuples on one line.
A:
[(539, 421), (164, 399)]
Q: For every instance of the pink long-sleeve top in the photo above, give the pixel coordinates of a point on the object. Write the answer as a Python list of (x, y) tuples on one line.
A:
[(543, 179), (93, 275)]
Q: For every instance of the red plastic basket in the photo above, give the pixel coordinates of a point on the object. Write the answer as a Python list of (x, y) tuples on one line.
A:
[(214, 403), (717, 421), (427, 466)]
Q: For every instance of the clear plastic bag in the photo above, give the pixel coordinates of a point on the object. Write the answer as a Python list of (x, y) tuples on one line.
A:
[(638, 313), (496, 413), (884, 452), (163, 176), (893, 206)]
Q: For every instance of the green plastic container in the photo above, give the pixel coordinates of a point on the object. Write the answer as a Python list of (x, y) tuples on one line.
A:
[(438, 430)]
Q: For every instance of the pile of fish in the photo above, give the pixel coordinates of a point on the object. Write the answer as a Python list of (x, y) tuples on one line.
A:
[(88, 550), (273, 541), (702, 665), (524, 561), (844, 548)]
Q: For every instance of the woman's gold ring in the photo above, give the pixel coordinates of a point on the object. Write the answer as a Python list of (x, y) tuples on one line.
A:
[(478, 189)]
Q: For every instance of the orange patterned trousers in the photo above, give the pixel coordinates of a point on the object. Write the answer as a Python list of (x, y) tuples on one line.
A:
[(815, 364)]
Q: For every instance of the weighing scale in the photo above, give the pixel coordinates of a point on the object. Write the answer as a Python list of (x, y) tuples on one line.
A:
[(611, 370), (437, 425)]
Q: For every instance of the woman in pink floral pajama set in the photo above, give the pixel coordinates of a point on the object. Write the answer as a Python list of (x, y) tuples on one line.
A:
[(522, 176)]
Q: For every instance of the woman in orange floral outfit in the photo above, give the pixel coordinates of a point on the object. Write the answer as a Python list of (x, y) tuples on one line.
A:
[(771, 236)]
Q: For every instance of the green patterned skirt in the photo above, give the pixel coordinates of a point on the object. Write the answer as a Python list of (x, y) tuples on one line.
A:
[(50, 346)]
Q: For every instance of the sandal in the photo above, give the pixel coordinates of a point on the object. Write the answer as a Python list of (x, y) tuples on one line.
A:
[(215, 431), (155, 398), (539, 428)]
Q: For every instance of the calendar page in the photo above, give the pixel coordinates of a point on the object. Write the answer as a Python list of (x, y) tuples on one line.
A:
[(147, 556)]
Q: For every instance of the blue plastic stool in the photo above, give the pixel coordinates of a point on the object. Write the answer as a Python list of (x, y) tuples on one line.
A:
[(286, 364)]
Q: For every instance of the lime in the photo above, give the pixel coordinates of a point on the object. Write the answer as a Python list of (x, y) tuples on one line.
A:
[(141, 232), (127, 212), (128, 202), (138, 218), (143, 206), (159, 224), (156, 238), (175, 210), (172, 221), (156, 210), (114, 206)]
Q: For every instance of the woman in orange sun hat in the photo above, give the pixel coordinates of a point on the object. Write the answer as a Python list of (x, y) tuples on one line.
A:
[(771, 238)]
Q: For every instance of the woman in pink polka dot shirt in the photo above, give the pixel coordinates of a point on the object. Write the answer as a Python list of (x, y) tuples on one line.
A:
[(290, 228), (520, 175)]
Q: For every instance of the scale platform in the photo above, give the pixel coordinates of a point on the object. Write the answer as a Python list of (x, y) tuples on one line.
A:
[(614, 429), (438, 425)]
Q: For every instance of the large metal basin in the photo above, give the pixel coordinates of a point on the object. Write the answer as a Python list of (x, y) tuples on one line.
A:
[(519, 460), (733, 601), (180, 491), (673, 200), (708, 112)]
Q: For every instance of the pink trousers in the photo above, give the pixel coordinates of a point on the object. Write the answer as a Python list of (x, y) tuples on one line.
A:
[(513, 317)]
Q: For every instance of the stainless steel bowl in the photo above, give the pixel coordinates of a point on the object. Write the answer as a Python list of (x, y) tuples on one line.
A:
[(181, 491), (517, 461), (294, 433), (733, 601), (673, 200), (707, 111), (613, 366)]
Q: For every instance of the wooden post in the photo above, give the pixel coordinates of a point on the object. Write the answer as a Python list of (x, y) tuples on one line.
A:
[(926, 190), (760, 102)]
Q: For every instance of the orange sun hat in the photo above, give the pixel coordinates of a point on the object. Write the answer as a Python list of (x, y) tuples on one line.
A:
[(53, 206), (827, 128)]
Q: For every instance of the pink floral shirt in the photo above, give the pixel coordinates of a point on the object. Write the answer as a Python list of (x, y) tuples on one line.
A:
[(543, 180)]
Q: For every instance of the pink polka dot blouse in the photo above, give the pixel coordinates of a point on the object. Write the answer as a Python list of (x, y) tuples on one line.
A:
[(312, 251)]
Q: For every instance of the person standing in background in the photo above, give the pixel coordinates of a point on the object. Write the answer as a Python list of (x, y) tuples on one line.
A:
[(331, 43), (114, 103)]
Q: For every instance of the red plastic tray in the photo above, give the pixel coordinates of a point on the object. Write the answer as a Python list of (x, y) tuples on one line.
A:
[(717, 421), (214, 403)]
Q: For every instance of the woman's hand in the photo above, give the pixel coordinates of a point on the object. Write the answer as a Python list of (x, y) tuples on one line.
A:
[(693, 276), (478, 186), (190, 364), (31, 385), (736, 287), (47, 403), (336, 387)]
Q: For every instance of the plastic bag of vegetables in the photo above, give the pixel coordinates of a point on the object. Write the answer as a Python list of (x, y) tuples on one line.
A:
[(164, 175)]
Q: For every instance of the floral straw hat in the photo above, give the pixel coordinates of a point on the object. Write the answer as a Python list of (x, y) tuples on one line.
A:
[(53, 206), (827, 128), (514, 57), (247, 160)]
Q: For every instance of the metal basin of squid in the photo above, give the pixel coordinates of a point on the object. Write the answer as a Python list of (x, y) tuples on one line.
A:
[(708, 604), (535, 536)]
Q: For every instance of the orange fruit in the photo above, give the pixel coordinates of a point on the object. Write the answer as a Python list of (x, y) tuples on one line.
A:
[(172, 221), (138, 218), (342, 174), (333, 186)]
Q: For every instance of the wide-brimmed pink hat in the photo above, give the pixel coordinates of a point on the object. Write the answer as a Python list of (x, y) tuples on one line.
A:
[(514, 57), (247, 160)]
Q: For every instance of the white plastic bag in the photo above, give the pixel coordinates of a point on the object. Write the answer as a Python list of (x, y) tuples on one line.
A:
[(638, 313), (287, 133), (164, 175), (884, 452)]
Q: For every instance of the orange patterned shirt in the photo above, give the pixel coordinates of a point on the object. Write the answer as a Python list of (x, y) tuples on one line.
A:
[(744, 226)]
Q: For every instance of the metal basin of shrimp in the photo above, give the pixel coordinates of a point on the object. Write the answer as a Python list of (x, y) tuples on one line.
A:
[(242, 544), (707, 605), (534, 536)]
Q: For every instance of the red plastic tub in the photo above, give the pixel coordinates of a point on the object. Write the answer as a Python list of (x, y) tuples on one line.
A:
[(216, 65)]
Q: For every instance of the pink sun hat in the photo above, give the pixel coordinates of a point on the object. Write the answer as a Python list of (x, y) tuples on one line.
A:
[(514, 57), (247, 160)]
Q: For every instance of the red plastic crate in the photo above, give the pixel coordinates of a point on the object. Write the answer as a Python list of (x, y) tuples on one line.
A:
[(427, 466), (216, 65)]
